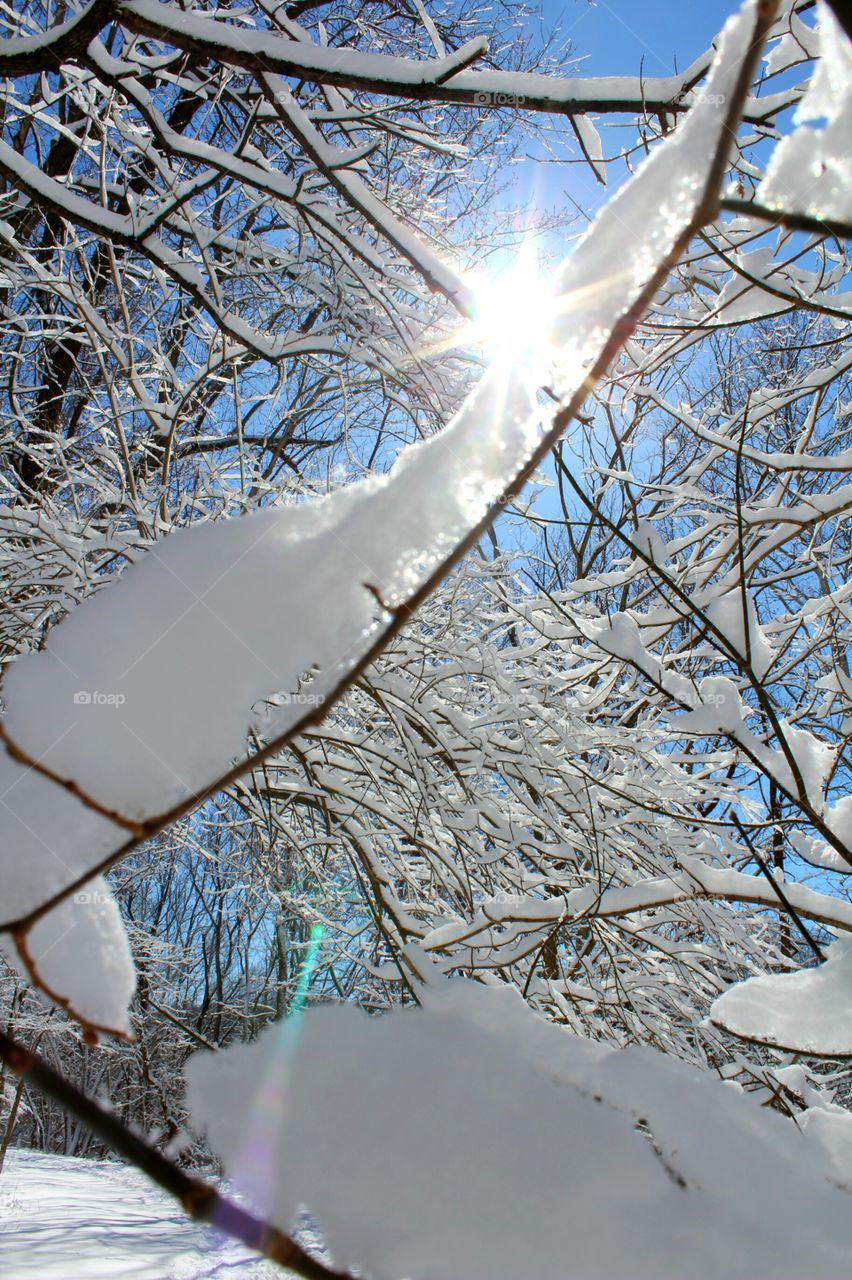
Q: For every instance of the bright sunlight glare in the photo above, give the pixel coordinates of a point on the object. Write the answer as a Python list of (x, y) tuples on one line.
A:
[(514, 313)]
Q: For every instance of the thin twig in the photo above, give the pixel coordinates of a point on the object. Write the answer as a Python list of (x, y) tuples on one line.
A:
[(782, 897)]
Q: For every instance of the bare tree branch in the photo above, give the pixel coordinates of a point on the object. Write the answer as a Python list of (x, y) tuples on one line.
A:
[(199, 1200), (787, 218), (29, 55)]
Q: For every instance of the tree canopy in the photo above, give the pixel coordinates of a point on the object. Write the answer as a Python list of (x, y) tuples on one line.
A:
[(415, 605)]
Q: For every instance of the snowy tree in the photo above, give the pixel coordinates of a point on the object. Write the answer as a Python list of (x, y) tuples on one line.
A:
[(593, 776)]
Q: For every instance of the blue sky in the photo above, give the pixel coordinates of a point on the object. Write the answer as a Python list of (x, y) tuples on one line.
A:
[(617, 34), (608, 37)]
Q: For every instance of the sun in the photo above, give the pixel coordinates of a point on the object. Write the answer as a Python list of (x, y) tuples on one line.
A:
[(514, 314)]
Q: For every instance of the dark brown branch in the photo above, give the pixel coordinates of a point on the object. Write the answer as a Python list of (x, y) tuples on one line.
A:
[(782, 897), (30, 55), (786, 218), (199, 1200)]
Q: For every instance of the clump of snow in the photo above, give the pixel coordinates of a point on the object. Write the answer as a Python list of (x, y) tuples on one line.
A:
[(809, 1011), (80, 954), (647, 538), (720, 709), (590, 141), (814, 760), (839, 818), (741, 300), (811, 169), (817, 852), (832, 1127), (728, 614), (472, 1138), (620, 636)]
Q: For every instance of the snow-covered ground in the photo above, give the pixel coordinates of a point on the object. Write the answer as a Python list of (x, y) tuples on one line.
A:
[(61, 1217)]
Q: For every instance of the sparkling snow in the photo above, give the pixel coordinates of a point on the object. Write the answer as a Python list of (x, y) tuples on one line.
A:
[(97, 1220)]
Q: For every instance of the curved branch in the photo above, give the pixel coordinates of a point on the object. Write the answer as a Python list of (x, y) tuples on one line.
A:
[(29, 55), (787, 218)]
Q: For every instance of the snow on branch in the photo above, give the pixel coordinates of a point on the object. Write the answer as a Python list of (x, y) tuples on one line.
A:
[(438, 80), (810, 170), (501, 927), (29, 55), (805, 1012), (471, 1138), (47, 192)]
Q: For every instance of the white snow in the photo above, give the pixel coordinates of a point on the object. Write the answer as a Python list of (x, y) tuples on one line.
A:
[(741, 300), (832, 1126), (814, 760), (839, 819), (96, 1220), (720, 709), (817, 852), (80, 952), (471, 1138), (620, 636), (590, 141), (796, 44), (811, 169), (809, 1011), (727, 614)]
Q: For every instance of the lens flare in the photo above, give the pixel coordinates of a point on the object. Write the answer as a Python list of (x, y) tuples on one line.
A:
[(256, 1170), (307, 971), (514, 314)]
